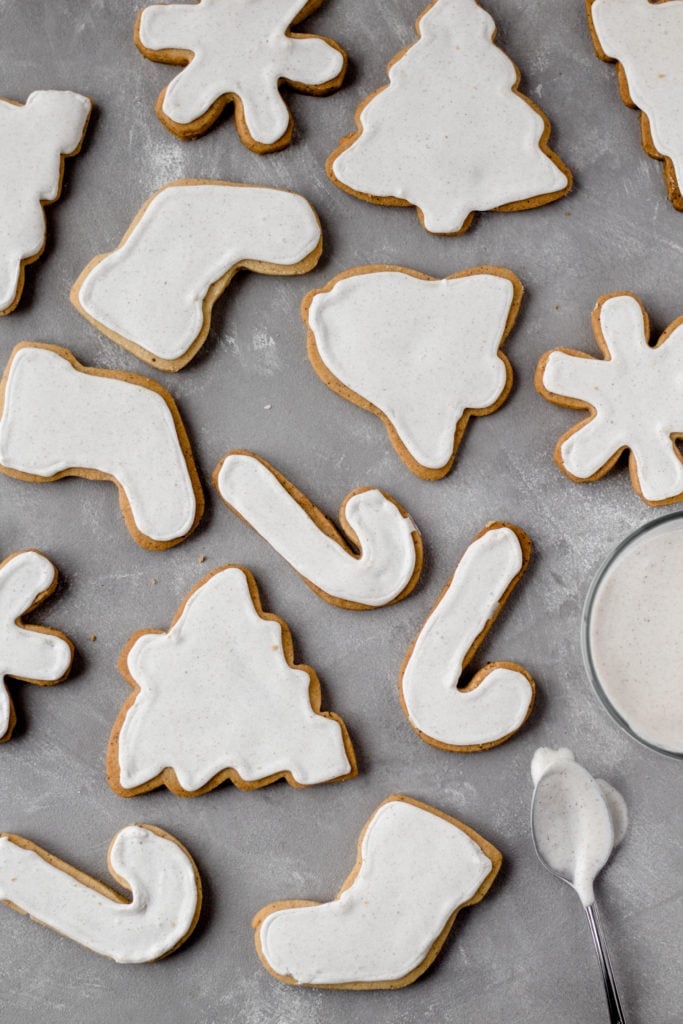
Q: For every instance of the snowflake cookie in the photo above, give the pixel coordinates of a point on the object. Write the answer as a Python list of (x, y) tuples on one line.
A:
[(218, 697), (645, 40), (237, 51), (633, 395), (422, 353), (451, 134), (35, 138), (34, 654)]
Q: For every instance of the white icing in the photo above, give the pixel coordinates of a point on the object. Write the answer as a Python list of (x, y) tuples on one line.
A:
[(422, 352), (449, 135), (160, 915), (151, 290), (241, 49), (500, 703), (28, 654), (635, 638), (384, 535), (646, 38), (577, 820), (416, 870), (635, 393), (217, 692), (57, 419), (33, 140)]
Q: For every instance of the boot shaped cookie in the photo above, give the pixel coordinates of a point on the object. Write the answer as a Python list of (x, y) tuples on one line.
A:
[(62, 419)]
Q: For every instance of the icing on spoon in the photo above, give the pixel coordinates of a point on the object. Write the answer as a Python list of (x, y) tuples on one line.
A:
[(576, 823)]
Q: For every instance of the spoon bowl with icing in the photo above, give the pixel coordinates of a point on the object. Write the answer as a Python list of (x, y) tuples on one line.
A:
[(576, 823)]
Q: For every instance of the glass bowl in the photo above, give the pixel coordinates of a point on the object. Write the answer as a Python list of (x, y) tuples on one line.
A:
[(623, 555)]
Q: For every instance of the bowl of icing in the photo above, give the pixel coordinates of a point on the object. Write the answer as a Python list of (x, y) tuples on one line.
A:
[(632, 634)]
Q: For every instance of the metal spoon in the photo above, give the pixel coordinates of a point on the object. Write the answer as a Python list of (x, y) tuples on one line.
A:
[(616, 1014)]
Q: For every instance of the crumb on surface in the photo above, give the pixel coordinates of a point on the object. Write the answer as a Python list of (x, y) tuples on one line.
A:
[(202, 558), (93, 637)]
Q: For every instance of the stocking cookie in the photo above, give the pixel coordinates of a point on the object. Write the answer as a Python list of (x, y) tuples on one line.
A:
[(35, 138), (388, 560), (645, 38), (239, 52), (219, 697), (158, 870), (632, 395), (416, 868), (34, 654), (63, 419), (450, 134), (500, 697), (154, 293), (423, 354)]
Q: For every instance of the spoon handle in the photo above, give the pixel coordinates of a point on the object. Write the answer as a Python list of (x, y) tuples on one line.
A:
[(616, 1014)]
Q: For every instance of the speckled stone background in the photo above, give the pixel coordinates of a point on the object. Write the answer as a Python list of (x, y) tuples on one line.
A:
[(524, 955)]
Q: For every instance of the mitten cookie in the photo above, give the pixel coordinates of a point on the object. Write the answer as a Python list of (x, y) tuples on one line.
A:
[(645, 39), (497, 701), (450, 134), (34, 140), (416, 868), (154, 293), (160, 873), (423, 354), (59, 418), (633, 396), (388, 560), (34, 654), (238, 51), (219, 697)]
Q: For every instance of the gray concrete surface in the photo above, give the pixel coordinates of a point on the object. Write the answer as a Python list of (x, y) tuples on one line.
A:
[(524, 955)]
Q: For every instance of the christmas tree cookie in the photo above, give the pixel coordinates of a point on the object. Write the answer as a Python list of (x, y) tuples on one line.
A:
[(451, 134), (34, 140), (238, 51), (645, 39), (218, 697)]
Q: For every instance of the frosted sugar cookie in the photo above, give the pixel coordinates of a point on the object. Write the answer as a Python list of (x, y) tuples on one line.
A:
[(451, 134), (645, 40), (384, 563), (633, 396), (59, 418), (35, 138), (154, 293), (423, 354), (219, 697), (416, 868), (497, 701), (239, 52), (34, 654), (160, 873)]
